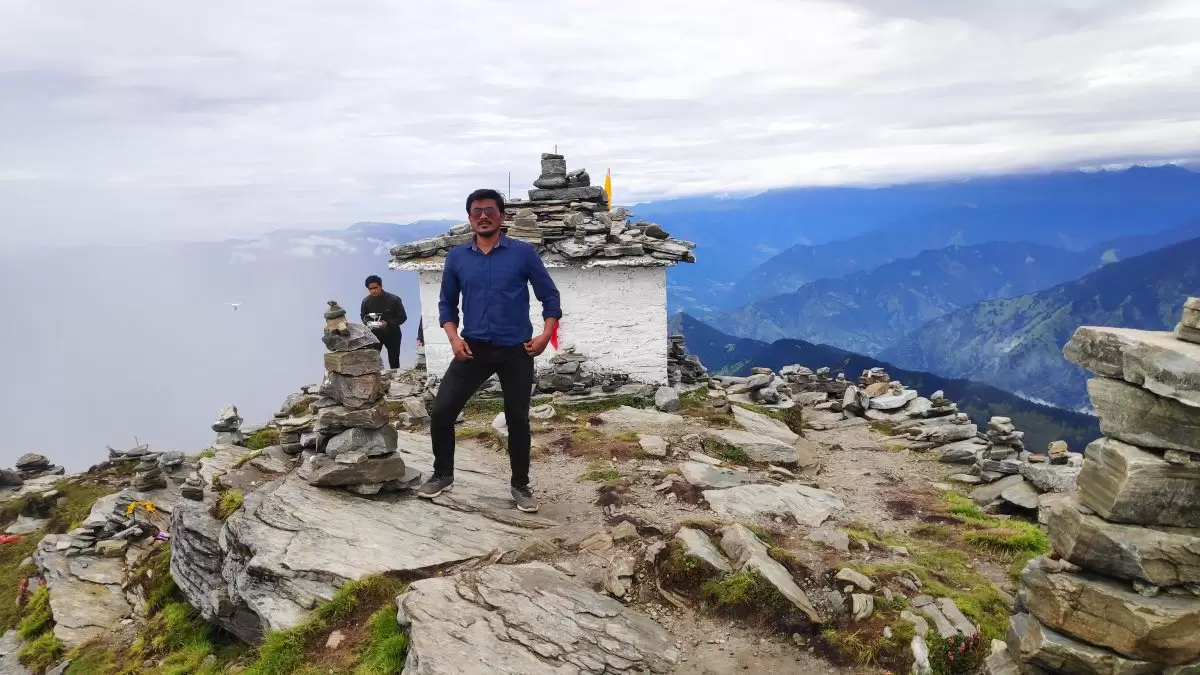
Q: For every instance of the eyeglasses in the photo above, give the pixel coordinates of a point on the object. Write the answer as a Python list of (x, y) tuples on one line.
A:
[(490, 211)]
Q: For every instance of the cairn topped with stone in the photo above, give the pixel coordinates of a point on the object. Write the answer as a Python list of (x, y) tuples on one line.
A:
[(1121, 591), (569, 221), (354, 444)]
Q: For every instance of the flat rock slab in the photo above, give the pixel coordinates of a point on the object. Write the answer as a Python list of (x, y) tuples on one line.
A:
[(749, 553), (1050, 477), (1126, 484), (758, 447), (1138, 417), (86, 601), (10, 644), (293, 543), (708, 476), (1037, 645), (1160, 556), (1163, 629), (643, 420), (989, 493), (758, 423), (809, 506), (961, 452), (1021, 494), (697, 544), (526, 620), (1155, 361)]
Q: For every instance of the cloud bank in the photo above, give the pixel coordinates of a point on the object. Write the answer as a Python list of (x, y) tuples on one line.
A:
[(127, 120)]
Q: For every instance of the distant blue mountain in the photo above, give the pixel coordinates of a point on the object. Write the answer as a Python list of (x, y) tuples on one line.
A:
[(776, 241)]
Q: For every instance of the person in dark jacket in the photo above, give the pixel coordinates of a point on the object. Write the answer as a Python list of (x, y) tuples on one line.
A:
[(384, 313)]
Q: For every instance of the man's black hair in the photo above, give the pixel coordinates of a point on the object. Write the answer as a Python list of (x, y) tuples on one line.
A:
[(485, 193), (374, 279)]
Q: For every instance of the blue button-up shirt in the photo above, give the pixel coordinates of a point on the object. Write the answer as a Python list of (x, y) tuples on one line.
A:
[(495, 291)]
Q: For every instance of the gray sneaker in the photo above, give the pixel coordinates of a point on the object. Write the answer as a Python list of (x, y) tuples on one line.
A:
[(435, 486), (525, 500)]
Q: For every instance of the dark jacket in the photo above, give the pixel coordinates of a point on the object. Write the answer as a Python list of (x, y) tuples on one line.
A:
[(390, 306)]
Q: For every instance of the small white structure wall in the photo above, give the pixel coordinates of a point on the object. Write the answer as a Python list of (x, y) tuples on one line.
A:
[(616, 316)]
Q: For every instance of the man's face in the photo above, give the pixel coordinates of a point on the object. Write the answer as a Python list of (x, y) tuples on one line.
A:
[(485, 217), (375, 289)]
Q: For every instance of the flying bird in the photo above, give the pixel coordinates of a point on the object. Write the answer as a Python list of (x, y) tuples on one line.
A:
[(234, 305)]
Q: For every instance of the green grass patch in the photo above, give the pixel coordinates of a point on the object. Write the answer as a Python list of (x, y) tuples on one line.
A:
[(231, 501), (604, 404), (284, 652), (207, 453), (300, 408), (478, 406), (726, 451), (600, 476), (37, 614), (41, 652), (957, 654), (867, 647), (93, 659), (263, 438), (683, 572), (241, 461), (627, 437), (81, 497), (386, 644), (885, 427)]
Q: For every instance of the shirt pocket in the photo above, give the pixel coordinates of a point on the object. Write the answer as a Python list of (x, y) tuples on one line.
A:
[(472, 276)]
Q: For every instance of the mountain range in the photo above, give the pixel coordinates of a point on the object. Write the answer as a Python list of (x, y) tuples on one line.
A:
[(1042, 424), (786, 238), (868, 312), (1016, 343)]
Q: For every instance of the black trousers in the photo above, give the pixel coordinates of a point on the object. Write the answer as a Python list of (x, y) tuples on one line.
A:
[(514, 368), (390, 339)]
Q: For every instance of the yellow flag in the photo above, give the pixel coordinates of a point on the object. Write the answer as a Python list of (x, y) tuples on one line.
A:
[(608, 187)]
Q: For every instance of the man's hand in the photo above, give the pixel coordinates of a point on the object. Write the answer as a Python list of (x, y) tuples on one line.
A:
[(462, 351), (382, 323), (537, 345)]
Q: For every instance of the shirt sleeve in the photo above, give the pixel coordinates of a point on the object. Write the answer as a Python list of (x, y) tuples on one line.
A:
[(543, 286), (448, 299)]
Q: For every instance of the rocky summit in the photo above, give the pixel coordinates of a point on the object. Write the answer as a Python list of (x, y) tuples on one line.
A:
[(791, 520)]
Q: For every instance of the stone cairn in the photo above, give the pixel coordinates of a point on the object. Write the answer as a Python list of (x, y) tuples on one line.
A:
[(568, 373), (32, 465), (355, 445), (108, 534), (683, 368), (151, 468), (1121, 591), (229, 427), (572, 222)]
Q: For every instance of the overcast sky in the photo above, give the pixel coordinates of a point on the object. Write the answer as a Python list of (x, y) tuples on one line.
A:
[(123, 119)]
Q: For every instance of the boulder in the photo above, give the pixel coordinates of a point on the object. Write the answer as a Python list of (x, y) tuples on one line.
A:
[(697, 544), (961, 452), (758, 447), (322, 471), (809, 506), (1125, 484), (354, 363), (654, 446), (749, 554), (1021, 494), (292, 544), (86, 598), (987, 494), (353, 391), (371, 442), (1163, 629), (705, 476), (356, 336), (1155, 361), (758, 423), (1160, 556), (892, 401), (336, 419), (1138, 417), (526, 619), (196, 561), (31, 461), (1036, 645), (1050, 477), (831, 537), (666, 399)]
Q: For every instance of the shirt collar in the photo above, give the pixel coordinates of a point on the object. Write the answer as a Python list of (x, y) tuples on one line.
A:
[(502, 242)]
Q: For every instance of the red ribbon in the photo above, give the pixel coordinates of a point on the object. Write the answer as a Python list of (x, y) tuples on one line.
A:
[(554, 336)]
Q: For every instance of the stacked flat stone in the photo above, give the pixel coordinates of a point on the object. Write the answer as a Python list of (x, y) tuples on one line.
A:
[(1189, 324), (568, 373), (683, 368), (355, 446), (228, 427), (804, 380), (1121, 591), (569, 224), (32, 465)]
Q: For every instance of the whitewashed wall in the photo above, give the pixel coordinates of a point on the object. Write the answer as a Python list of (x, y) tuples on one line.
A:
[(615, 316)]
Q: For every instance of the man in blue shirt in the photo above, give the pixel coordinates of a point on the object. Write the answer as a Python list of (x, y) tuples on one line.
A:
[(492, 273)]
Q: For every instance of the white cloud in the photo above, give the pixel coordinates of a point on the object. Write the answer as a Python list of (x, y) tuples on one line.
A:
[(126, 119)]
